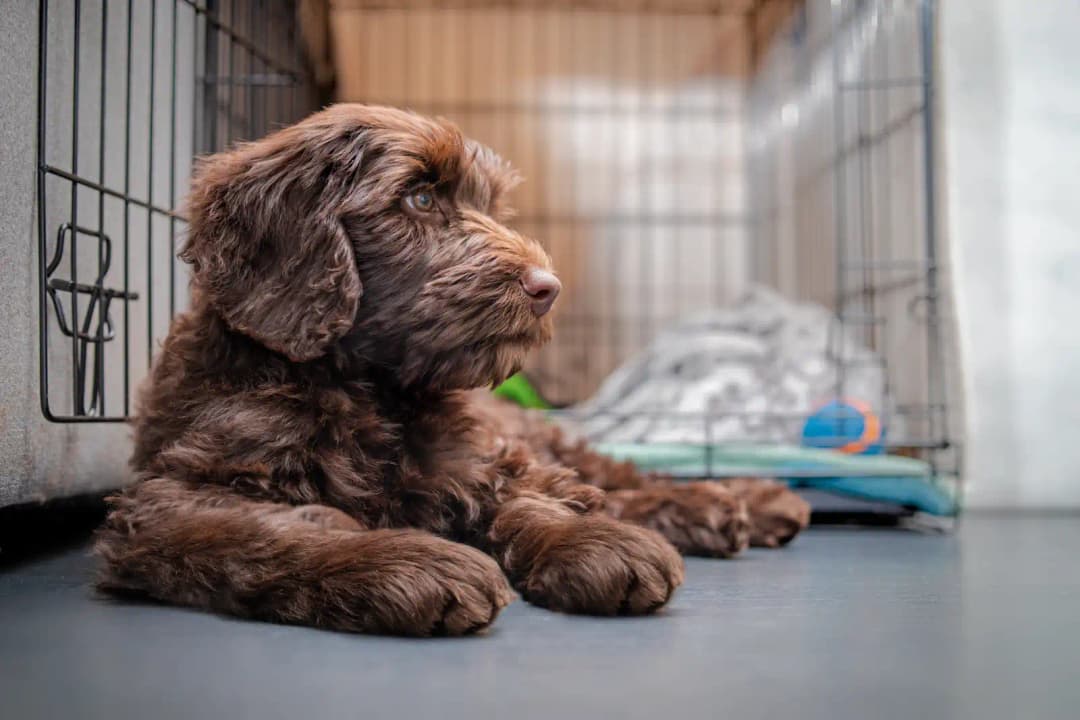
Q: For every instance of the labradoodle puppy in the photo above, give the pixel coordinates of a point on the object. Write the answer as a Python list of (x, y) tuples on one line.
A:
[(307, 448)]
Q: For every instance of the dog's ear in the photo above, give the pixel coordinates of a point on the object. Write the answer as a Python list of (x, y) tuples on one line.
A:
[(267, 247)]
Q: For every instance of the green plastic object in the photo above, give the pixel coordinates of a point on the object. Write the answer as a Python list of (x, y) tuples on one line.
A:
[(518, 389)]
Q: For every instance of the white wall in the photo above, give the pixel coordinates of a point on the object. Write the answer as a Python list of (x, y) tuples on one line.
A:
[(1011, 133)]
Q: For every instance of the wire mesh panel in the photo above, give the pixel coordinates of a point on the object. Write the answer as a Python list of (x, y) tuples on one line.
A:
[(129, 92), (841, 165)]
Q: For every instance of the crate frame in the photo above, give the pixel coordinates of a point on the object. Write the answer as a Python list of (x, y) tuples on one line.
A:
[(225, 37)]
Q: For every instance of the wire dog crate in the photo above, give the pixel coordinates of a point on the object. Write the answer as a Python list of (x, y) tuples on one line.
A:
[(677, 154), (129, 92)]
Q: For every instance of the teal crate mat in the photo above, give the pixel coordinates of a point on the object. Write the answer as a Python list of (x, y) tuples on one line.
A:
[(889, 478)]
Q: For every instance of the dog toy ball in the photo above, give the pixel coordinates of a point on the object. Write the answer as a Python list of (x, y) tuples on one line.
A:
[(849, 426)]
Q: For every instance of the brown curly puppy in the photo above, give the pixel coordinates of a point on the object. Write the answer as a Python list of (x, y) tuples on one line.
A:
[(306, 447)]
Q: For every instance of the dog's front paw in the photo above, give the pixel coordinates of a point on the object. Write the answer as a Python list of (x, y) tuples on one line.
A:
[(698, 518), (431, 586), (777, 514), (596, 565)]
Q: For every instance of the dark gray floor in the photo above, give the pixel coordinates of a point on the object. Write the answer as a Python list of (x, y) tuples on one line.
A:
[(844, 624)]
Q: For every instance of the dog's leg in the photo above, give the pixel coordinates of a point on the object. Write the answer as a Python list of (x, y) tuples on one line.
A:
[(699, 518), (308, 565), (567, 559), (710, 518), (713, 518), (716, 519)]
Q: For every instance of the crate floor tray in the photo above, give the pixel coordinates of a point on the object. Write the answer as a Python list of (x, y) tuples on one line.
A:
[(888, 478)]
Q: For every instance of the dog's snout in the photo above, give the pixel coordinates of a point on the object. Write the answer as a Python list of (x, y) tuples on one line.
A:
[(542, 288)]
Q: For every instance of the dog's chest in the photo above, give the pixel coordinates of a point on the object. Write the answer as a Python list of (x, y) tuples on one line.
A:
[(407, 465)]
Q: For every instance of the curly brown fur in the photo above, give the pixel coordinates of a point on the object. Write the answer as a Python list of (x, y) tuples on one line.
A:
[(715, 519), (701, 518), (306, 448), (777, 514)]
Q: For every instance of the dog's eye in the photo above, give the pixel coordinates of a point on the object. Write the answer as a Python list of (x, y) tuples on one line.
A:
[(421, 201)]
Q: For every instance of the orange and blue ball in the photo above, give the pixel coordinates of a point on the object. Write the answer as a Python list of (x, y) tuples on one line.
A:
[(849, 426)]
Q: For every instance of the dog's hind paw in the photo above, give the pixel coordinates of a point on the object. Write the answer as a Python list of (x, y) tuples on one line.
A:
[(698, 518), (777, 514)]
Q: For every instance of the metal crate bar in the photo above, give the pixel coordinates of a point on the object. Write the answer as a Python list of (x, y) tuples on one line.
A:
[(112, 163)]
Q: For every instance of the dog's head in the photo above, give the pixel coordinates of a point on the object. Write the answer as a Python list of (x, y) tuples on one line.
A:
[(376, 233)]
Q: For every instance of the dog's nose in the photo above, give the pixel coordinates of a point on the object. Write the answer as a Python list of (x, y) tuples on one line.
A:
[(542, 288)]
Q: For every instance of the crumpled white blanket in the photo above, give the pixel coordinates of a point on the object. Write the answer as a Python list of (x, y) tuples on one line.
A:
[(748, 373)]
